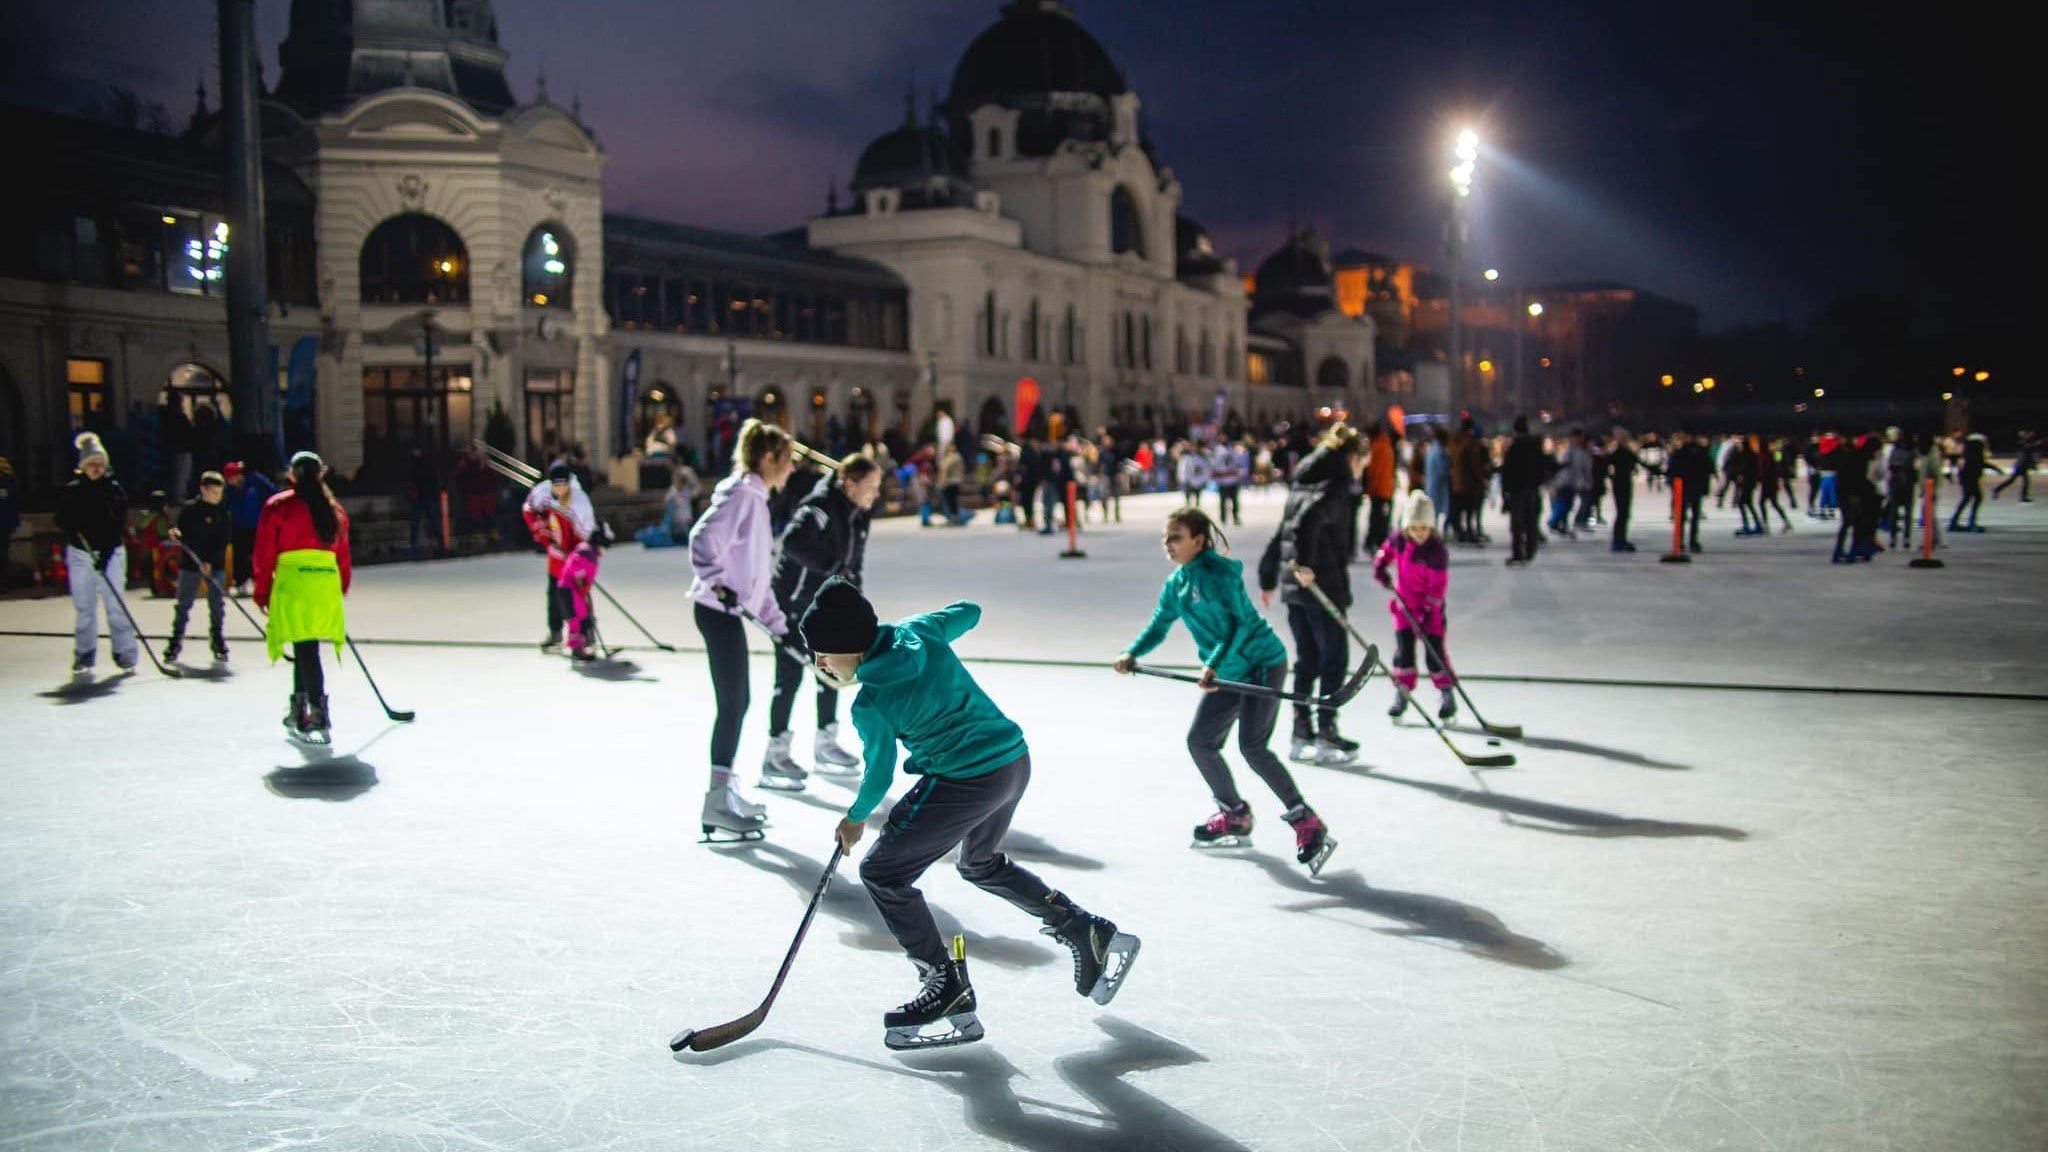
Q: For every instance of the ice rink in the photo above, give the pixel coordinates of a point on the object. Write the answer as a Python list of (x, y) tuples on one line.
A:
[(1691, 918)]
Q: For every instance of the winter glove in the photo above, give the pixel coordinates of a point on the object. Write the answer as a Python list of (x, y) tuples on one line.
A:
[(726, 596)]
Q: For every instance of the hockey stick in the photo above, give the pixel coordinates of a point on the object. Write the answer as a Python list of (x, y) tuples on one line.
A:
[(403, 717), (1511, 731), (719, 1035), (613, 601), (140, 640), (1337, 699), (781, 643), (1496, 760)]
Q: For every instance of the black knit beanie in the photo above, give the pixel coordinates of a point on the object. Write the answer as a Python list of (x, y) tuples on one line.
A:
[(840, 620)]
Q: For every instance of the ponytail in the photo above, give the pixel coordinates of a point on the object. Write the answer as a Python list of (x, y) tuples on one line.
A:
[(757, 441), (306, 470)]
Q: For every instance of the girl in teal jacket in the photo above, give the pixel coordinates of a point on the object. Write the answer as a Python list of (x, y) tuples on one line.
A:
[(1234, 642)]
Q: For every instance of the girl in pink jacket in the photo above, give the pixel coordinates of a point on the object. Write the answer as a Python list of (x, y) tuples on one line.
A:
[(1420, 579), (579, 572), (732, 553)]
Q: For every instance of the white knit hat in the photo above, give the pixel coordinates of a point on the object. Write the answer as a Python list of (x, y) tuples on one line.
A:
[(1421, 510), (89, 446)]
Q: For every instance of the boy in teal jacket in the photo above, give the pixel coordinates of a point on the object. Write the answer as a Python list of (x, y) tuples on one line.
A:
[(1206, 591), (975, 766)]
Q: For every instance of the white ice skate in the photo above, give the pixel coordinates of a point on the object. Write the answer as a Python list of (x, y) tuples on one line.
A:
[(729, 818), (779, 770), (832, 759), (1328, 752)]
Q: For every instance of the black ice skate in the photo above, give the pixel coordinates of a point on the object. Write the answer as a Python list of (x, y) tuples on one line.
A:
[(1102, 955), (1448, 706), (173, 649), (1302, 747), (946, 997), (552, 642), (1313, 843), (220, 651), (307, 721), (1400, 703), (1332, 747), (1228, 828)]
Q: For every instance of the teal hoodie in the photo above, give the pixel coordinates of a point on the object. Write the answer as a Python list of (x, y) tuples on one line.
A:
[(915, 690), (1230, 635)]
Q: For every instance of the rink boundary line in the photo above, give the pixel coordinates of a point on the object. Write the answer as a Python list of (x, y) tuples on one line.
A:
[(1097, 665)]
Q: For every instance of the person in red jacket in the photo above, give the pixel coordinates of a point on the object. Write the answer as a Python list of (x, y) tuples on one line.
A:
[(559, 516), (301, 567)]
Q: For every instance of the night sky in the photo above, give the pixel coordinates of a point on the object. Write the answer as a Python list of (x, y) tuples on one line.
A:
[(1751, 161)]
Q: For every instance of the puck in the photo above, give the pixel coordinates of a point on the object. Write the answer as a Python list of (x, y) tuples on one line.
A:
[(1493, 743)]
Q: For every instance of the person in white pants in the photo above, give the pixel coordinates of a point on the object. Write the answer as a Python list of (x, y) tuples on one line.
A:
[(92, 512)]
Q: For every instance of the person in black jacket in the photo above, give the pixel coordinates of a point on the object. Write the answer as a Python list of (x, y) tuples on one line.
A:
[(827, 536), (92, 512), (1315, 537), (206, 529), (1522, 473), (1622, 462), (1693, 469)]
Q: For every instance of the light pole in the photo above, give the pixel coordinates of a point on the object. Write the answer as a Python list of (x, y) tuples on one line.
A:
[(1467, 152)]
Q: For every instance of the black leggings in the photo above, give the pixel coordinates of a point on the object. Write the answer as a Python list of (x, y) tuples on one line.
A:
[(307, 676), (558, 607), (1321, 650), (725, 642), (789, 676), (1254, 717)]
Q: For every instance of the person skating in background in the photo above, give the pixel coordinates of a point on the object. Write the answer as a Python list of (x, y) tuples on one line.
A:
[(1828, 453), (2022, 468), (247, 492), (1743, 469), (1471, 470), (1970, 478), (92, 513), (1436, 473), (301, 568), (731, 552), (827, 536), (1206, 590), (558, 516), (579, 574), (1900, 468), (10, 517), (1521, 488), (1193, 473), (1228, 469), (1416, 567), (1380, 465), (205, 527), (1692, 469), (1622, 462), (1856, 538), (973, 766), (1312, 537), (1771, 476)]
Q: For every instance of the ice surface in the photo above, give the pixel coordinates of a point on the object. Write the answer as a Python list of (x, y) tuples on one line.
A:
[(1688, 920)]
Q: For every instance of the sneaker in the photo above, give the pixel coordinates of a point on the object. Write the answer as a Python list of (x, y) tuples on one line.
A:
[(832, 759), (779, 770), (1448, 706), (1102, 955)]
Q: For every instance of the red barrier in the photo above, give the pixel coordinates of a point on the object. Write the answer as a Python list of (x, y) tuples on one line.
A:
[(447, 542), (1677, 554), (1073, 551), (1926, 558)]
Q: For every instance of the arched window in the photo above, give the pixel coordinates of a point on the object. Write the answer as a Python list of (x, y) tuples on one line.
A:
[(988, 324), (415, 259), (995, 143), (547, 270), (1126, 231), (1031, 323), (1332, 375), (1070, 347), (1130, 341)]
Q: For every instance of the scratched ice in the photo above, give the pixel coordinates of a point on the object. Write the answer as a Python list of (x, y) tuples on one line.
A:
[(1689, 919)]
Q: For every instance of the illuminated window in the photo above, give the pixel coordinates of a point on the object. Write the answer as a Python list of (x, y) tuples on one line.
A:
[(415, 259), (548, 267), (85, 389)]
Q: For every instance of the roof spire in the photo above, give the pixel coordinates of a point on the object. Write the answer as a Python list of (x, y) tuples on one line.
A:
[(910, 102), (832, 196), (540, 82)]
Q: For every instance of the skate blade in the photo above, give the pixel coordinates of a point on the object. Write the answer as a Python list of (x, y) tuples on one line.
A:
[(1334, 759), (1121, 953), (832, 768), (964, 1028), (1222, 842), (783, 783), (1315, 863), (716, 835), (1302, 756)]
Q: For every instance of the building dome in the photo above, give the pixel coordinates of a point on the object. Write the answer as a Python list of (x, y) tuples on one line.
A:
[(1194, 254), (1035, 50), (1296, 278), (913, 154), (339, 51)]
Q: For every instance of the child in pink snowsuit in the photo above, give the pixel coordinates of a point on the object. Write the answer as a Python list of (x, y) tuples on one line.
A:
[(1421, 577), (579, 572)]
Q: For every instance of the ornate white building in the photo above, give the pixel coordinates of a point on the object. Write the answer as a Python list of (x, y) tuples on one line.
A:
[(439, 252)]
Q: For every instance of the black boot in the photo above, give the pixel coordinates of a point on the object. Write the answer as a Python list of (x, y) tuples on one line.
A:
[(1328, 734), (220, 648), (173, 649), (316, 724), (295, 715), (1102, 955), (946, 995)]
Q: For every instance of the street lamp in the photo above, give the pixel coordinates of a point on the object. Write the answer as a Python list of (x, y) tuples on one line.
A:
[(1467, 153)]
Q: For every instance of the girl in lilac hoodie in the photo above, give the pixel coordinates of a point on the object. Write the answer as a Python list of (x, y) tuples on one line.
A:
[(732, 552), (1421, 577)]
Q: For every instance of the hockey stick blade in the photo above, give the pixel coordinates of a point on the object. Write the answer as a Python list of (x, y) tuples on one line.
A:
[(1511, 731), (719, 1035), (1356, 683), (1498, 760), (402, 716)]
